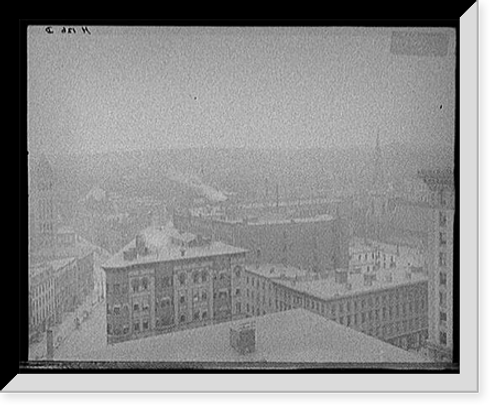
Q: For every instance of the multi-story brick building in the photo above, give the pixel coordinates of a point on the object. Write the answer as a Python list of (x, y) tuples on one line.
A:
[(56, 287), (42, 300), (391, 304), (165, 280), (319, 243), (440, 262)]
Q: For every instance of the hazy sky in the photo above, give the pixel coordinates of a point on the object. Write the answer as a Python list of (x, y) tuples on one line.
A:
[(129, 88)]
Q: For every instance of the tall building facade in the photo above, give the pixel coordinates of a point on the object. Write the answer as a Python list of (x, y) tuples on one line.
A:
[(42, 209), (164, 281), (440, 262)]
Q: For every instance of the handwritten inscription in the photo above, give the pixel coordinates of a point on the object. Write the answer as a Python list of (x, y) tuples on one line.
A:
[(67, 30)]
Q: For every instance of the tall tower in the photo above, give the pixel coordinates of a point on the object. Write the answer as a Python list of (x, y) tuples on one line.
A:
[(440, 262), (42, 211)]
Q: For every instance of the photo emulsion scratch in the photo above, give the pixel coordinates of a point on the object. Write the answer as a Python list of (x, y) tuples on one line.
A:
[(238, 198)]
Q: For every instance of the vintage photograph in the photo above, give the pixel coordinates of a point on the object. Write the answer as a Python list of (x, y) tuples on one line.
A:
[(242, 198)]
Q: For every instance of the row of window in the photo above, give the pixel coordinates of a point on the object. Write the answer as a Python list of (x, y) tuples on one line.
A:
[(442, 219), (443, 340), (443, 278), (418, 303), (46, 227), (251, 309), (203, 275), (442, 259), (442, 299)]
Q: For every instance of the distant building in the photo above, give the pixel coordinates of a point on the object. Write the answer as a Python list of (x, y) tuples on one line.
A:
[(390, 304), (440, 262), (165, 280), (42, 208), (319, 243), (296, 336), (369, 257), (61, 264)]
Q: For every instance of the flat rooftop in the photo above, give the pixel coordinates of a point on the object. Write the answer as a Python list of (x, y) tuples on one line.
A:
[(279, 271), (296, 336), (52, 265), (164, 243), (328, 289)]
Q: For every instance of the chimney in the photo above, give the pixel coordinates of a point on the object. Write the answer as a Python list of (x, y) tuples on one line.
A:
[(242, 338)]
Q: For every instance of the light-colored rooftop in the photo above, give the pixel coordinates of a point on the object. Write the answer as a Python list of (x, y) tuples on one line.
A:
[(280, 271), (328, 288), (296, 336), (80, 249), (165, 244), (60, 263)]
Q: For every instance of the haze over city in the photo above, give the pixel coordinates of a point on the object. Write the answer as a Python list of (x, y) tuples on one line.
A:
[(188, 184), (256, 87)]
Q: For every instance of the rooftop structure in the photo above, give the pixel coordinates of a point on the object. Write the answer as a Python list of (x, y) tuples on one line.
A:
[(296, 336)]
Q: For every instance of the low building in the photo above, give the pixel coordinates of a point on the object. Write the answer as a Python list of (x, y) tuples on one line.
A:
[(164, 280), (295, 336), (319, 243), (390, 304)]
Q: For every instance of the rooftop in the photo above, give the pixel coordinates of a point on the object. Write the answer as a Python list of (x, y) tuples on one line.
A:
[(329, 288), (60, 263), (164, 243), (279, 271), (52, 265), (292, 336), (80, 249)]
